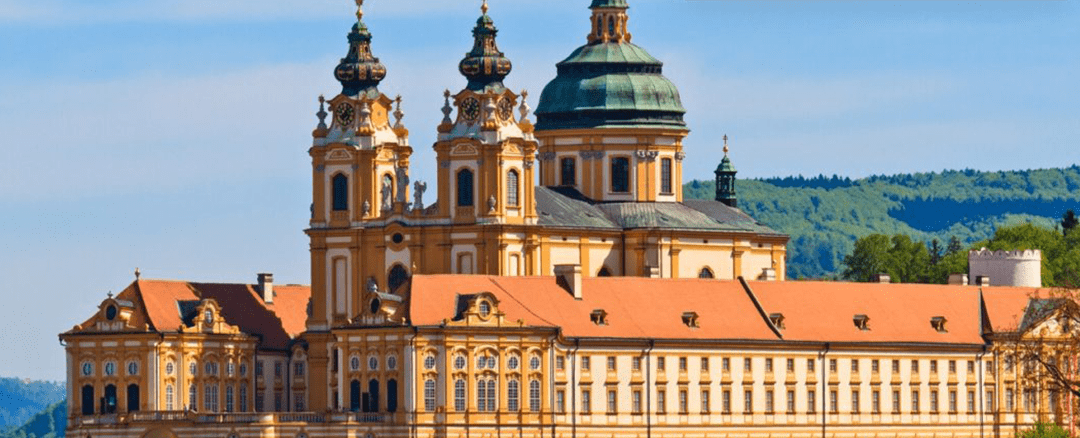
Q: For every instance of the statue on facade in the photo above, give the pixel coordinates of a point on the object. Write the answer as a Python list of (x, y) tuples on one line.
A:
[(387, 192), (419, 188), (365, 209), (403, 185)]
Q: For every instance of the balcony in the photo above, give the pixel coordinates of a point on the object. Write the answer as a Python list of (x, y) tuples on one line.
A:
[(232, 418)]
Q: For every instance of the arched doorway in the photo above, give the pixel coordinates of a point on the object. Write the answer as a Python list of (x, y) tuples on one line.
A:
[(397, 277), (391, 395), (133, 398), (88, 400), (354, 396), (109, 407), (373, 395)]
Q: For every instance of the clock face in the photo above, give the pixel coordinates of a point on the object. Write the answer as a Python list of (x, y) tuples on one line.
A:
[(345, 114), (470, 109), (506, 109)]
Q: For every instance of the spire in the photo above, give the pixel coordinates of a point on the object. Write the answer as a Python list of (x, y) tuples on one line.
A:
[(609, 22), (485, 65), (725, 179), (359, 71)]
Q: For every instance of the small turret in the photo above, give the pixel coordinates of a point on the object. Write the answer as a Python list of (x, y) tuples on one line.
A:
[(359, 71), (725, 180), (484, 66)]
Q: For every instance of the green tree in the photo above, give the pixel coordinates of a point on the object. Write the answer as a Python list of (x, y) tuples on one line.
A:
[(908, 261), (935, 252), (954, 245), (869, 257), (1044, 430), (1069, 221)]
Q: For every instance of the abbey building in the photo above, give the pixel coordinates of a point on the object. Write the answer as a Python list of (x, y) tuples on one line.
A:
[(556, 284)]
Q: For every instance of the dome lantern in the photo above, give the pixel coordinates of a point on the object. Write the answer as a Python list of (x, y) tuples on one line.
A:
[(359, 71), (484, 66)]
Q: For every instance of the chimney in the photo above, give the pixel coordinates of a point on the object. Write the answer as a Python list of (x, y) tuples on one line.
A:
[(654, 271), (982, 280), (569, 277), (958, 279), (266, 287), (881, 278)]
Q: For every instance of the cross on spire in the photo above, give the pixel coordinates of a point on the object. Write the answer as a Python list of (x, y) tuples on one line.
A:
[(725, 145)]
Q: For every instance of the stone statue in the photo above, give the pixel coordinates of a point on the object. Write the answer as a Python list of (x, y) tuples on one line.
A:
[(419, 188), (372, 286), (403, 185), (387, 192)]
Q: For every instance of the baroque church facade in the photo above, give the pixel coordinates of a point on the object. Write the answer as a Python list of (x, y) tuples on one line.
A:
[(558, 285)]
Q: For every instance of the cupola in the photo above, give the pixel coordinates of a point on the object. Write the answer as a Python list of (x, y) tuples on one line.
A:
[(485, 66), (725, 180), (359, 71)]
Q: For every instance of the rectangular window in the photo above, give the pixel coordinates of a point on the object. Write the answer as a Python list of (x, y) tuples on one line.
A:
[(459, 395), (512, 188), (704, 364), (683, 402), (636, 405), (952, 401), (854, 365), (791, 402), (429, 395), (874, 365), (560, 401), (832, 365), (229, 401), (725, 364), (1009, 404), (298, 369), (768, 364), (855, 401), (971, 402), (748, 401), (990, 401), (636, 363), (705, 401), (611, 363), (585, 363), (989, 367), (660, 363), (665, 175), (298, 402), (568, 171), (769, 401), (914, 365), (258, 368), (560, 362), (952, 366), (971, 367), (875, 402), (914, 401), (896, 365), (612, 400), (832, 402), (726, 401), (620, 174), (896, 402), (169, 398), (278, 401), (260, 403), (534, 395), (682, 364), (586, 401), (810, 365), (277, 369), (746, 364), (791, 365), (933, 366), (934, 401), (661, 401), (243, 398), (811, 401)]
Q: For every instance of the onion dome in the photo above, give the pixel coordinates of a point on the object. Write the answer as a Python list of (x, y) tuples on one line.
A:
[(610, 82), (359, 71), (725, 180), (484, 66)]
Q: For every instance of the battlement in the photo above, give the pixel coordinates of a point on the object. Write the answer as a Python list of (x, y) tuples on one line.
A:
[(1018, 255)]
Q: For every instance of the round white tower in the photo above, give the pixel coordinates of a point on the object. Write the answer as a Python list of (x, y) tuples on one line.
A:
[(1006, 268)]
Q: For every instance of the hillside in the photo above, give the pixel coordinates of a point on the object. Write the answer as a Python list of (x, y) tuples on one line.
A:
[(825, 215), (49, 423), (21, 399)]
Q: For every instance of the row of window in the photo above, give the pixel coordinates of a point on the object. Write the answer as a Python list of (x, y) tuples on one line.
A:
[(486, 395), (209, 368), (465, 189), (619, 174), (725, 364), (855, 405), (110, 368)]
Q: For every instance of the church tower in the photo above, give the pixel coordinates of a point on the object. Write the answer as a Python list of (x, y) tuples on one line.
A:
[(610, 125), (485, 153), (360, 175), (725, 180)]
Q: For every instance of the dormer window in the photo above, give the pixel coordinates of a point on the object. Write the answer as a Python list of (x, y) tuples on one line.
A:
[(690, 319), (484, 308), (777, 320), (862, 322), (110, 312), (208, 316), (938, 323), (598, 317)]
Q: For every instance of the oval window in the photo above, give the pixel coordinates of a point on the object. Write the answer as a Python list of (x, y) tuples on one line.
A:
[(397, 238), (110, 313)]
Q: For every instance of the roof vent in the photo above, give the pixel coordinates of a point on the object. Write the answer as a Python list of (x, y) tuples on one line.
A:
[(777, 320), (266, 287), (569, 278), (598, 317), (862, 322), (882, 278), (690, 319), (938, 323)]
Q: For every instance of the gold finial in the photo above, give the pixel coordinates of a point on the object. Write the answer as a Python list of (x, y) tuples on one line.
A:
[(359, 10), (137, 274), (725, 145), (484, 7)]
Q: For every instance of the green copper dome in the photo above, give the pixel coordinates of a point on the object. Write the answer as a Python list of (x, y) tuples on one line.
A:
[(610, 83)]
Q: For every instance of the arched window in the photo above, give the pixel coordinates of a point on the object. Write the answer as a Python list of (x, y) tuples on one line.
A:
[(373, 395), (459, 395), (534, 395), (599, 25), (397, 277), (568, 171), (110, 399), (88, 400), (611, 26), (243, 397), (665, 175), (341, 192), (193, 398), (133, 398), (620, 174), (230, 403), (604, 272), (512, 188), (391, 395), (354, 396), (465, 188), (706, 273), (513, 392), (169, 398), (429, 395)]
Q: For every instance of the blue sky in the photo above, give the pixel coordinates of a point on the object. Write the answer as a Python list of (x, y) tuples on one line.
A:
[(171, 135)]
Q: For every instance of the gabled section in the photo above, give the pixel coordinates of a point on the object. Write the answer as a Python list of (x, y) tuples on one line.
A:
[(204, 316), (598, 317), (690, 319), (862, 322), (480, 310), (938, 323)]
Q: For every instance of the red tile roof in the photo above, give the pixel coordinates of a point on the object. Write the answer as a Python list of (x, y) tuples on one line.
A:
[(1006, 305)]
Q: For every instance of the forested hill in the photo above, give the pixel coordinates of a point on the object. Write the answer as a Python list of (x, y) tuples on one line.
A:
[(825, 215), (21, 399)]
